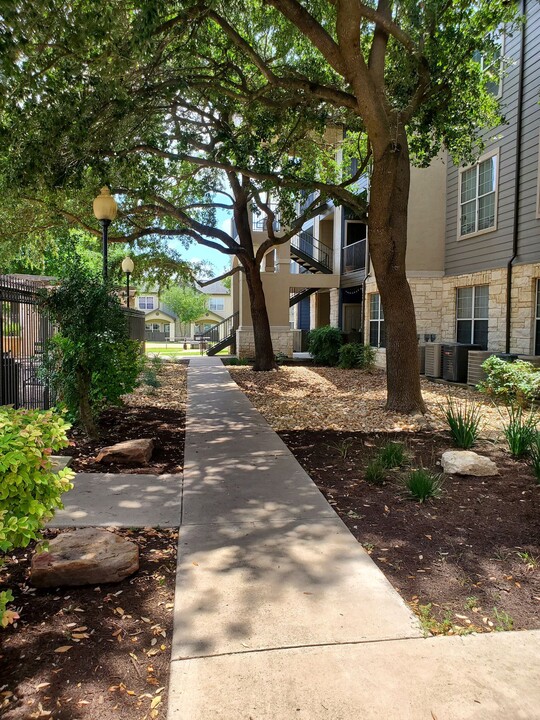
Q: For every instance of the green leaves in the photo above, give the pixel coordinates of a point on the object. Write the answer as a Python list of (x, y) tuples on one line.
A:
[(30, 491)]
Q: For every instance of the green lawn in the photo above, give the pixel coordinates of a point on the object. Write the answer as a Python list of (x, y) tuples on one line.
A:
[(173, 350)]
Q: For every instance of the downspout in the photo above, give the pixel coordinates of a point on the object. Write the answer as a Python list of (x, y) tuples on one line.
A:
[(517, 185)]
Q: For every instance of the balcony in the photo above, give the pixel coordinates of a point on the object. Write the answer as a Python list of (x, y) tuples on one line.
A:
[(354, 257)]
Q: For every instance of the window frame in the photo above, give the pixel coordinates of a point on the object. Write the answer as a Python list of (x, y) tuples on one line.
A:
[(221, 301), (473, 319), (495, 153), (379, 321), (146, 298), (502, 36)]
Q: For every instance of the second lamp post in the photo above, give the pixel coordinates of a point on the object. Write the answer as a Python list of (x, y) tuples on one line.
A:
[(105, 209)]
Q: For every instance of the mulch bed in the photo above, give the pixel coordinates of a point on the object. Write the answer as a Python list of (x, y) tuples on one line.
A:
[(118, 640), (467, 561), (164, 425)]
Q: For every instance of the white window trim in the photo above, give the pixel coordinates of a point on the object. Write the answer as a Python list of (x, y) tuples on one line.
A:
[(378, 320), (501, 64), (493, 153), (472, 319), (146, 298)]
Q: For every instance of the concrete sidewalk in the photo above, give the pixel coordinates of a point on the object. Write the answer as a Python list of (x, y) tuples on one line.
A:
[(279, 612)]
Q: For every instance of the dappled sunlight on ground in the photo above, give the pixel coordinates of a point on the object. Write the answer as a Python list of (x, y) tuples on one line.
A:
[(296, 398)]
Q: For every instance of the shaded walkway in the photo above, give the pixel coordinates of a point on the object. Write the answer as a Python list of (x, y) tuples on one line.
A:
[(279, 613)]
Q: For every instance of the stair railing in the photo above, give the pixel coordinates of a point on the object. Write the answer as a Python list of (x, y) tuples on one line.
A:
[(313, 248)]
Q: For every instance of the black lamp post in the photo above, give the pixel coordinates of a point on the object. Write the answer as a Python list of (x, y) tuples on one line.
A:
[(127, 267), (105, 209)]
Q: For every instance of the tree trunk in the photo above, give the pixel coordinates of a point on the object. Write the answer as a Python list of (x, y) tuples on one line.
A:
[(389, 195), (264, 351), (86, 415)]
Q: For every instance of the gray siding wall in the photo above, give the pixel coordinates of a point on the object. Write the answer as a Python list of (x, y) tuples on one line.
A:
[(494, 249)]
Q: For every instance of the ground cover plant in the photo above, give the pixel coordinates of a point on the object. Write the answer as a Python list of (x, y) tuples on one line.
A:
[(30, 489), (457, 559), (104, 651)]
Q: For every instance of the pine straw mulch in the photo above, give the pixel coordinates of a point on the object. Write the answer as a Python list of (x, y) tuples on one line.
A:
[(468, 561)]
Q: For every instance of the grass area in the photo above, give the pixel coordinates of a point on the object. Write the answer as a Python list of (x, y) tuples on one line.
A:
[(173, 350)]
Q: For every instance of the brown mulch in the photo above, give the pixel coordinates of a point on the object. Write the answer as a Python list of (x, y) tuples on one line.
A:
[(322, 398), (91, 652), (156, 413), (467, 561)]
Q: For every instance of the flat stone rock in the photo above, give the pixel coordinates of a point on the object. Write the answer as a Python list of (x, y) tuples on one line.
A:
[(59, 462), (467, 462), (89, 556), (129, 452)]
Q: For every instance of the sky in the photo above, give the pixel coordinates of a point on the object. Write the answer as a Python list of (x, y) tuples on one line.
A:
[(196, 252)]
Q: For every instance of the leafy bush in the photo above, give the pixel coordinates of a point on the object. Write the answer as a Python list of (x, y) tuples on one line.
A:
[(90, 362), (517, 381), (392, 455), (324, 344), (520, 431), (422, 484), (29, 489), (534, 451), (354, 355), (375, 472), (464, 422)]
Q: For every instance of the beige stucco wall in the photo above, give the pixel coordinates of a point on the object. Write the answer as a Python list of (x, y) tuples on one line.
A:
[(427, 218)]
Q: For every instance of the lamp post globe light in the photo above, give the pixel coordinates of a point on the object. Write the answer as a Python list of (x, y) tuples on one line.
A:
[(127, 267), (105, 209)]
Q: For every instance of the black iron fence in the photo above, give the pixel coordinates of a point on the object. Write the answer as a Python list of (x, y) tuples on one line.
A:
[(24, 332)]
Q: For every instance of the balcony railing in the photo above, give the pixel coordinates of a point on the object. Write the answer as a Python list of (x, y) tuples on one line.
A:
[(313, 248), (354, 257)]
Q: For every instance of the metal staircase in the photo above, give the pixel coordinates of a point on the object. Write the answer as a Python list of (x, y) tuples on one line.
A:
[(311, 254), (314, 257), (223, 334)]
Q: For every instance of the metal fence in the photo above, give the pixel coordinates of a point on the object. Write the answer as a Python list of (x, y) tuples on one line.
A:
[(24, 331)]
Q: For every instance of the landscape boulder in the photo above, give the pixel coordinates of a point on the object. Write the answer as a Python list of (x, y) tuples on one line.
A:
[(466, 462), (89, 556), (129, 452)]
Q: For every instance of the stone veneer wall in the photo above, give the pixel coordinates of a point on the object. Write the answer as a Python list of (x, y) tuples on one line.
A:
[(427, 292), (334, 307), (282, 340), (496, 279), (524, 279), (435, 305)]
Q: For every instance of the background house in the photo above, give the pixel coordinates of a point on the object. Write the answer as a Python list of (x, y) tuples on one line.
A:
[(164, 325)]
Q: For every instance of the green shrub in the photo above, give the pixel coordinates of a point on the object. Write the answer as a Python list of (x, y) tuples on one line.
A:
[(90, 363), (517, 381), (392, 455), (354, 355), (324, 344), (464, 422), (534, 451), (375, 472), (422, 484), (29, 490), (520, 431)]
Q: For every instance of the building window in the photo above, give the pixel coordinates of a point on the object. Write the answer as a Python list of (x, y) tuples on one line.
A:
[(472, 310), (377, 334), (146, 303), (478, 196), (492, 63), (537, 321), (216, 304)]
